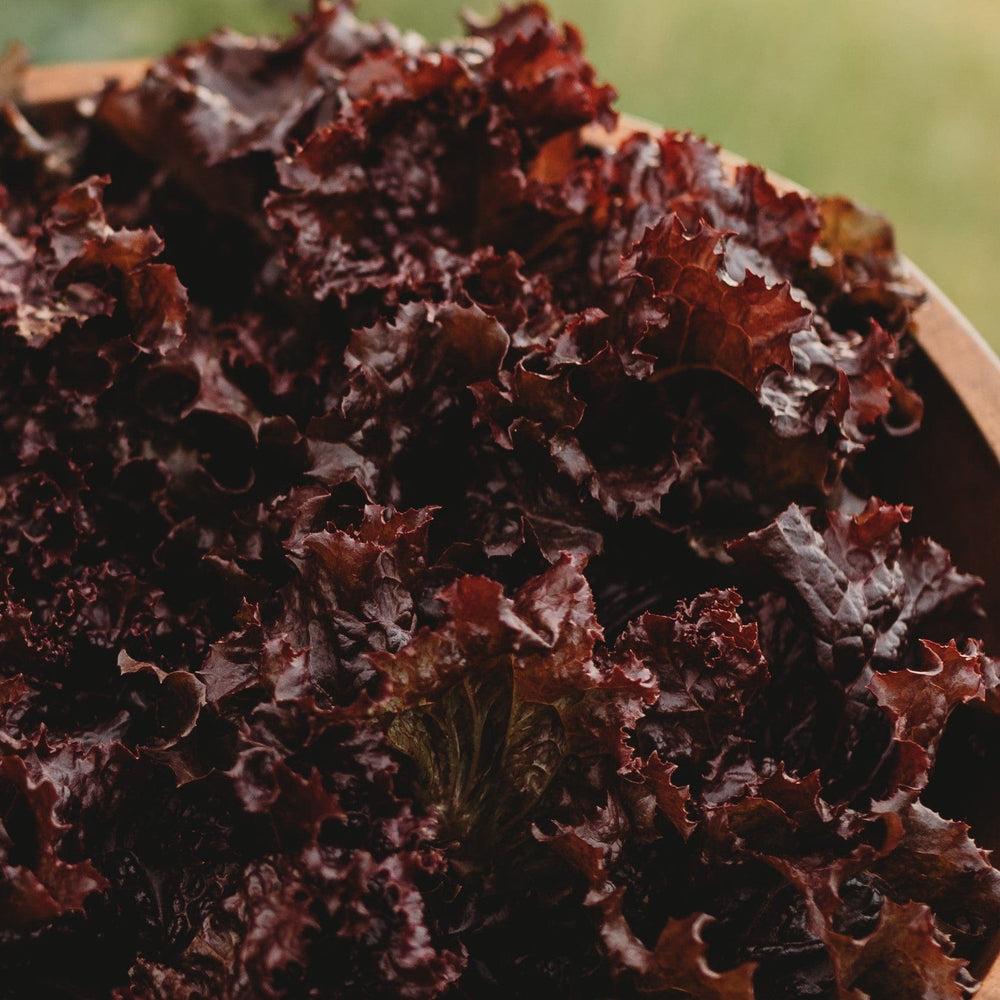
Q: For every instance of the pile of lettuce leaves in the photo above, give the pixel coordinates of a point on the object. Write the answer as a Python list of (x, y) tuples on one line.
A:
[(437, 560)]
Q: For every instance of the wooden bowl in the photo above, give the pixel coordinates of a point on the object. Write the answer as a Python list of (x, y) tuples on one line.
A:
[(950, 467)]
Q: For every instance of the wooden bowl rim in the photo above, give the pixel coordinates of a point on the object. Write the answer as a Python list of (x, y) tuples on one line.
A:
[(953, 345)]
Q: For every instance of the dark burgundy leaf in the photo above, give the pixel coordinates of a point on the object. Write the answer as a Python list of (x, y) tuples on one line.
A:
[(431, 558)]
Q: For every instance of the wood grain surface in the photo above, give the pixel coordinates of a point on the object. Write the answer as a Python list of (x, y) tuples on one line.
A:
[(66, 82), (963, 382)]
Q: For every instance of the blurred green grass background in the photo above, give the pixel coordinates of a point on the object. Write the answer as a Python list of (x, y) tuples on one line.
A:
[(894, 104)]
